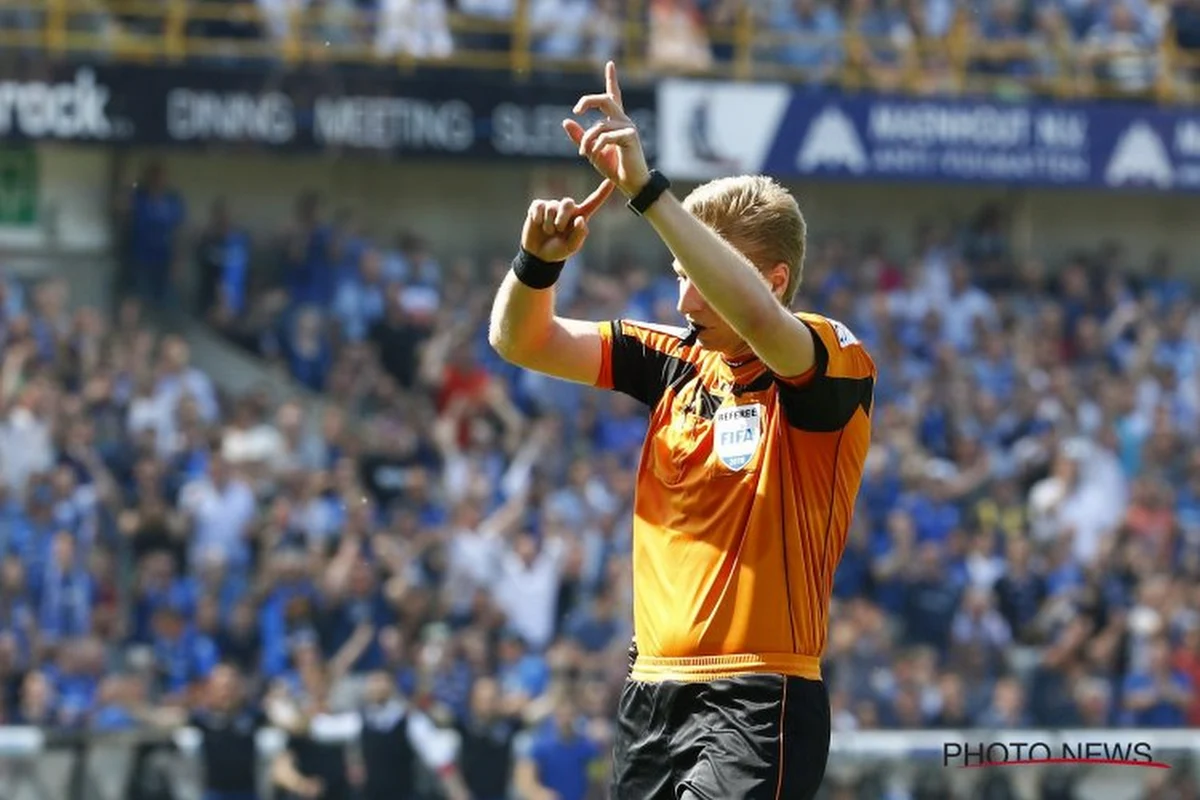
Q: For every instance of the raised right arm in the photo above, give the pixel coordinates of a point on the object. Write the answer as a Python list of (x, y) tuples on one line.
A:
[(634, 358), (525, 331), (524, 328)]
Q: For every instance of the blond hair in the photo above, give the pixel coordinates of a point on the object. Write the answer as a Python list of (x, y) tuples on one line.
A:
[(760, 218)]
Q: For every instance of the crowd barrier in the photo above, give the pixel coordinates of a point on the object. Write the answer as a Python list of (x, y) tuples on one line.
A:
[(1105, 764)]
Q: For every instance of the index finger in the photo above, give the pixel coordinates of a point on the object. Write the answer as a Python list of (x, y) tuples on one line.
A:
[(604, 103), (597, 198), (610, 80)]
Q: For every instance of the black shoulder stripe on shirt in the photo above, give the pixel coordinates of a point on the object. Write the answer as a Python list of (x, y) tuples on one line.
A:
[(642, 372), (825, 404)]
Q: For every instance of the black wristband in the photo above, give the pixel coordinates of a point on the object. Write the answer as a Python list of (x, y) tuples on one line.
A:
[(653, 190), (535, 273)]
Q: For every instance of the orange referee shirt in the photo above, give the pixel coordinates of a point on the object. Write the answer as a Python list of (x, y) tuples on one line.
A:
[(745, 492)]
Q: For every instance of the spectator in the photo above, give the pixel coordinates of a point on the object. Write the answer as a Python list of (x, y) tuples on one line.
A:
[(395, 737), (1007, 709), (1185, 22), (488, 738), (398, 338), (221, 507), (178, 380), (362, 296), (416, 28), (599, 628), (953, 712), (559, 758), (308, 255), (523, 676), (678, 41), (1003, 30), (930, 601), (223, 256), (278, 16), (567, 29), (67, 593), (307, 350), (1021, 591), (978, 626), (881, 38), (1186, 661), (966, 307), (308, 768), (1093, 700), (1120, 46), (239, 642), (527, 587), (1052, 45), (229, 728), (183, 656), (26, 433), (155, 216), (37, 705), (722, 17), (811, 32), (1065, 501), (1157, 696)]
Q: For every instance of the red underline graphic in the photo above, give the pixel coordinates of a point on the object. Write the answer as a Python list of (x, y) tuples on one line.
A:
[(1034, 761)]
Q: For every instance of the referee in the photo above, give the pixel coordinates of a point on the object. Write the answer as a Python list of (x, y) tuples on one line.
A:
[(228, 728), (758, 432)]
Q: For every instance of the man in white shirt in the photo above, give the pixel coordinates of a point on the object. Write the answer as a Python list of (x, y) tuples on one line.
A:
[(527, 589), (222, 507), (25, 444), (416, 28)]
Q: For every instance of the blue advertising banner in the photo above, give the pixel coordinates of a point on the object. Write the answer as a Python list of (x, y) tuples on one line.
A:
[(709, 129)]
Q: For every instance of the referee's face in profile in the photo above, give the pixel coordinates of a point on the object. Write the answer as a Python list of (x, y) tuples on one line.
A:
[(713, 332)]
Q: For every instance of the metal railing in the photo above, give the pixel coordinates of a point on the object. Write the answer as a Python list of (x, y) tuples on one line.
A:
[(38, 765), (743, 45)]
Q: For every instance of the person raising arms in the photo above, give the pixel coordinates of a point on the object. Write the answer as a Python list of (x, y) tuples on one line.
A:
[(759, 429)]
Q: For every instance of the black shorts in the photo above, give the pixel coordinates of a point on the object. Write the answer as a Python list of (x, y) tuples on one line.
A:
[(753, 737)]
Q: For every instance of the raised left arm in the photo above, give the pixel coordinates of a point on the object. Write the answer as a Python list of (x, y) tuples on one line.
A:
[(735, 289), (725, 278)]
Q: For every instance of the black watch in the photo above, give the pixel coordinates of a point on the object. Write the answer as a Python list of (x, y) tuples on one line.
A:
[(653, 190)]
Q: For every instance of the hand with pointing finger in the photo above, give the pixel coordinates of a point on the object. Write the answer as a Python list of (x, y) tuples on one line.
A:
[(612, 145), (556, 229)]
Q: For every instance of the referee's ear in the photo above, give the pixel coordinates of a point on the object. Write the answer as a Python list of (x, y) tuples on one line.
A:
[(777, 278)]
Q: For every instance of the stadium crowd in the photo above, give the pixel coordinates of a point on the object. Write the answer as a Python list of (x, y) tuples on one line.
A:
[(452, 534), (1069, 42), (1026, 551)]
